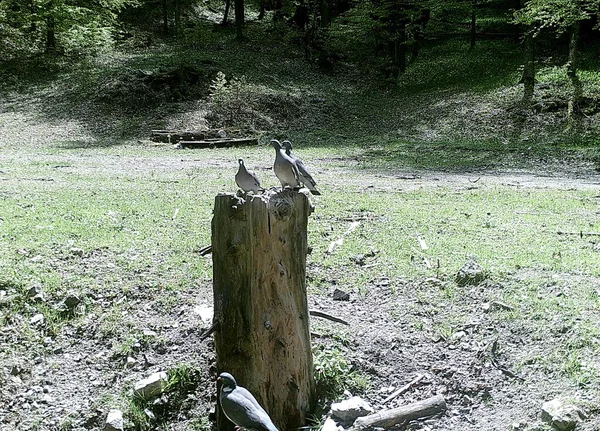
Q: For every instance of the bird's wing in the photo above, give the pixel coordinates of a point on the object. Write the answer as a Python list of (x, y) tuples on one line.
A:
[(255, 178), (242, 409)]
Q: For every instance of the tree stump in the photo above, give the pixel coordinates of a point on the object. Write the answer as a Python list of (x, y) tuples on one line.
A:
[(259, 267)]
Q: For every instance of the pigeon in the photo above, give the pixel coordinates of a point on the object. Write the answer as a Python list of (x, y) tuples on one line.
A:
[(304, 175), (241, 408), (284, 167), (247, 180)]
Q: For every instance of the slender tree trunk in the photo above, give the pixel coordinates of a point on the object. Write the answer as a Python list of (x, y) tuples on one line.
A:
[(473, 25), (32, 11), (226, 13), (165, 17), (177, 16), (572, 67), (239, 18), (325, 13), (261, 11), (50, 34), (528, 78), (401, 50)]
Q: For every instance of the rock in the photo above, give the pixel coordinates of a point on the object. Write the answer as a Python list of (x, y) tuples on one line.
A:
[(130, 362), (205, 312), (350, 409), (561, 415), (38, 319), (34, 290), (76, 251), (149, 333), (114, 421), (518, 426), (329, 425), (71, 301), (340, 295), (151, 386), (471, 273)]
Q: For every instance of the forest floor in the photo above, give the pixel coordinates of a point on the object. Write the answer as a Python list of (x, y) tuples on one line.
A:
[(101, 231)]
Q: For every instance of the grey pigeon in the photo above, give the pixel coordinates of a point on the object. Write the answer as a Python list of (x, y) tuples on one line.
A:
[(241, 408), (285, 168), (304, 175), (247, 180)]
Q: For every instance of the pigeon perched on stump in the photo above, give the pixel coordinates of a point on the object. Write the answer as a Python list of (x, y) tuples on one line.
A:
[(284, 167), (241, 408), (303, 173), (247, 180)]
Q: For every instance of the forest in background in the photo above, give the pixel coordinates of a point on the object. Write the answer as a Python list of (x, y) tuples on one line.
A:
[(381, 36)]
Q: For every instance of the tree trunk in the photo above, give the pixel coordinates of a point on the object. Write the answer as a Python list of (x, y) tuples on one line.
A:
[(473, 25), (165, 17), (239, 18), (325, 13), (261, 10), (50, 34), (261, 310), (572, 67), (226, 13), (528, 78), (177, 16)]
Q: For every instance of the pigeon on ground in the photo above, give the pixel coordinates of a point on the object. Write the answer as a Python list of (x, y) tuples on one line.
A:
[(304, 175), (284, 167), (241, 408), (247, 180)]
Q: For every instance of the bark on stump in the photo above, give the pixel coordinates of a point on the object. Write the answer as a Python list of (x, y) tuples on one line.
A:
[(259, 267)]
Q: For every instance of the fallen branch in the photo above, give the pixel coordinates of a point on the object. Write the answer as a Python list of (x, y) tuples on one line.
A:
[(404, 388), (338, 242), (323, 315), (581, 234), (205, 250), (208, 332), (400, 415), (505, 370)]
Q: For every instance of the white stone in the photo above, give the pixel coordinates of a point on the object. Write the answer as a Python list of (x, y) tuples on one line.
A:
[(350, 409), (329, 425), (37, 319), (561, 415), (151, 386), (205, 313), (114, 421)]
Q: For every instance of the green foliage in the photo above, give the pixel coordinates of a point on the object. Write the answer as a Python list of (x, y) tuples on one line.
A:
[(557, 15), (78, 26), (334, 373)]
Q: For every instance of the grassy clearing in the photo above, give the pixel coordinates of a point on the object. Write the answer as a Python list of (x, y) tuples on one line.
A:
[(86, 211)]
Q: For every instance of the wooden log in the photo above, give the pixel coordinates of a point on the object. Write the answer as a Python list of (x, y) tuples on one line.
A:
[(217, 143), (401, 415), (173, 136), (260, 302)]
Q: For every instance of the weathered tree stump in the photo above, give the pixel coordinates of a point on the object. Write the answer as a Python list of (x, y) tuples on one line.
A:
[(259, 266)]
